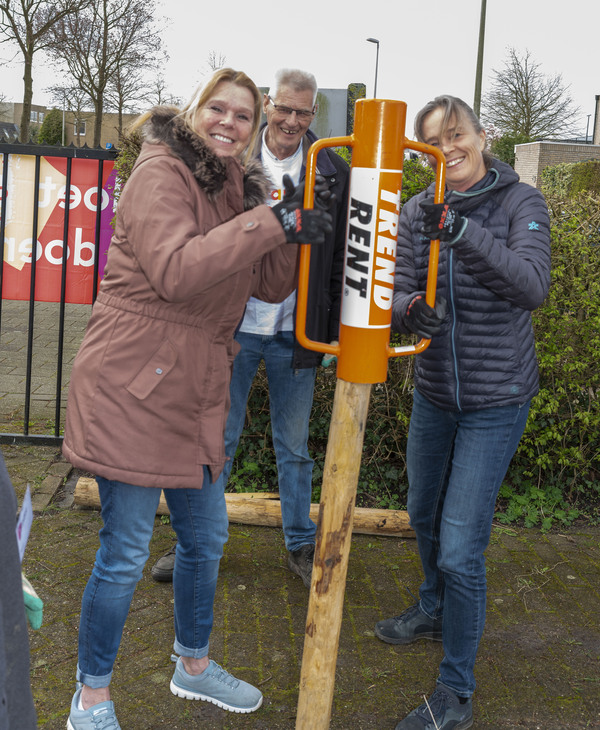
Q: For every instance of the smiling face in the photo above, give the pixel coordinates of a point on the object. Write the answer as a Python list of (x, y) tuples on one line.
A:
[(225, 121), (285, 131), (461, 145)]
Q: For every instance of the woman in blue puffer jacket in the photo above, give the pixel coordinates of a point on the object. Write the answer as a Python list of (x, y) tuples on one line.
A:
[(473, 385)]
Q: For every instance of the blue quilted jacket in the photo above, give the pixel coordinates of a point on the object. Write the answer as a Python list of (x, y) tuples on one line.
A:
[(492, 279)]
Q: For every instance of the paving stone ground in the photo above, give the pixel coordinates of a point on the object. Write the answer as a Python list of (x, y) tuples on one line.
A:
[(538, 667)]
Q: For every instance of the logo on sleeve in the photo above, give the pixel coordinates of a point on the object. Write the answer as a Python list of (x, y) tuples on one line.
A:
[(533, 226)]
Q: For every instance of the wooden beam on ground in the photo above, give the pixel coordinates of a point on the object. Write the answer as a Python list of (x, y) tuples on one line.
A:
[(264, 508)]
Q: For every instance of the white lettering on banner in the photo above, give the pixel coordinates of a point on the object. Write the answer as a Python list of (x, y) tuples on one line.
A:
[(57, 260), (76, 197), (46, 189), (22, 252), (79, 247)]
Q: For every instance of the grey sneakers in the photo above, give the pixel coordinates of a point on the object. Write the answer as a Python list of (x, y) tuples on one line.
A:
[(217, 686), (99, 717), (409, 626)]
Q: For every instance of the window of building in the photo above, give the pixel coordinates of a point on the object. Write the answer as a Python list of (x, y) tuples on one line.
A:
[(80, 129), (33, 117), (40, 117)]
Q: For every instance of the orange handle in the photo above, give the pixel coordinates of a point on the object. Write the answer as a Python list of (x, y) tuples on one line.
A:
[(378, 144), (434, 251)]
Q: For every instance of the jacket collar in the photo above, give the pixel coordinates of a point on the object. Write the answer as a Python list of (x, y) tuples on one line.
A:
[(165, 126), (324, 164)]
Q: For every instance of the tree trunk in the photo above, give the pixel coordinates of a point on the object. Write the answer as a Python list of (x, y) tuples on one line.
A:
[(27, 95), (99, 109), (264, 508)]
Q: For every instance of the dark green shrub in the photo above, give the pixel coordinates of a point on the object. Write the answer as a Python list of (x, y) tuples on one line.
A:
[(382, 479), (586, 178), (503, 148), (416, 176), (130, 145), (52, 128), (556, 180), (555, 475), (569, 179)]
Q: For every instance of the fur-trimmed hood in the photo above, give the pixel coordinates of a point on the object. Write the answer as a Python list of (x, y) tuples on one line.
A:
[(165, 126)]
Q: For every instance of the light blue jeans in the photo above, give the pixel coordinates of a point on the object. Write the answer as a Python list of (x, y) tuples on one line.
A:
[(290, 401), (199, 517), (456, 462)]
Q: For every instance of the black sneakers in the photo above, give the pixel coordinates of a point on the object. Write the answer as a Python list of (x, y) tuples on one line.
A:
[(301, 562), (162, 570), (409, 626), (442, 711)]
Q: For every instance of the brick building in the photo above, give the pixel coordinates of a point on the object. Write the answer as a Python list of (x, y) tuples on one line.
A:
[(78, 127), (532, 158)]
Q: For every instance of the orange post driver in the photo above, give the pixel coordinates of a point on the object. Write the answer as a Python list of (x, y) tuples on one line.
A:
[(378, 146)]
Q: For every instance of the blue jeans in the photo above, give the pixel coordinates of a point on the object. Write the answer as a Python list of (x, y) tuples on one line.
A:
[(290, 402), (199, 517), (456, 462)]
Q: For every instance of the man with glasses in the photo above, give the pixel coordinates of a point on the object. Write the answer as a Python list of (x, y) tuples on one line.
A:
[(267, 330)]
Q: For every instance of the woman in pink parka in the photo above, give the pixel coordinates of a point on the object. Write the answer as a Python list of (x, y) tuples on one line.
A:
[(149, 391)]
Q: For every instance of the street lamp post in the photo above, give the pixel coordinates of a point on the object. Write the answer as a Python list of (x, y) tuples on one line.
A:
[(587, 128), (375, 40), (479, 69)]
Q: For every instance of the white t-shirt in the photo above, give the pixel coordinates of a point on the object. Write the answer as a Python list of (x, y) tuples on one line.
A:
[(262, 318)]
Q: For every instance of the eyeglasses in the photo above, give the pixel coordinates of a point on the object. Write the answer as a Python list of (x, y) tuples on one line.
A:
[(285, 111)]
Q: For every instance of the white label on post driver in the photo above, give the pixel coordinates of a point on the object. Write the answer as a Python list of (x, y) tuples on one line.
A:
[(371, 247)]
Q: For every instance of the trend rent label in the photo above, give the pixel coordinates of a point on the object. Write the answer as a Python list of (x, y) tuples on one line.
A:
[(371, 247)]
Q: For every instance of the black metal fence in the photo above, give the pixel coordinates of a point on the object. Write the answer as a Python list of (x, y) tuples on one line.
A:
[(24, 315)]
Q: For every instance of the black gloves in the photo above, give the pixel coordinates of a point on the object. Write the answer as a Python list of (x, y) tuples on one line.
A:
[(422, 319), (299, 224), (441, 222), (324, 198)]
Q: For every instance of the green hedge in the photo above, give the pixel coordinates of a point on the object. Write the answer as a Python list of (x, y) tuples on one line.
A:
[(570, 179), (555, 476)]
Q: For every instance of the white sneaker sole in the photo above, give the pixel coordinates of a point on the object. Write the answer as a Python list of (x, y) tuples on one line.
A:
[(189, 695)]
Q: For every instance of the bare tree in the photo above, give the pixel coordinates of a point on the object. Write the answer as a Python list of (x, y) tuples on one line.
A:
[(28, 24), (77, 102), (4, 107), (104, 47), (158, 94), (523, 101), (215, 60), (132, 90)]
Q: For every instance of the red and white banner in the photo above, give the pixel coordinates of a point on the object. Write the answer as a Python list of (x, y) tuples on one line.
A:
[(84, 199)]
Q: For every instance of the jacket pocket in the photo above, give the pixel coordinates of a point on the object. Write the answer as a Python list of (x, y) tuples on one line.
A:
[(153, 372)]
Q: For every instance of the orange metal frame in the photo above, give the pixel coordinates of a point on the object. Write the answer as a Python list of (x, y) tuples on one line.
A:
[(378, 146)]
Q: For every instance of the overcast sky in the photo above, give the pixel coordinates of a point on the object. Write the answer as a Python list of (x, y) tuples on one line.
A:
[(426, 48)]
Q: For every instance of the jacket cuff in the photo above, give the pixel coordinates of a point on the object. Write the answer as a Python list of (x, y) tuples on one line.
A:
[(460, 234)]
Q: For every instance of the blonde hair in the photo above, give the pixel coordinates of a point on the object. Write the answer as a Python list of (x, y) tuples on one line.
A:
[(204, 93), (201, 96)]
